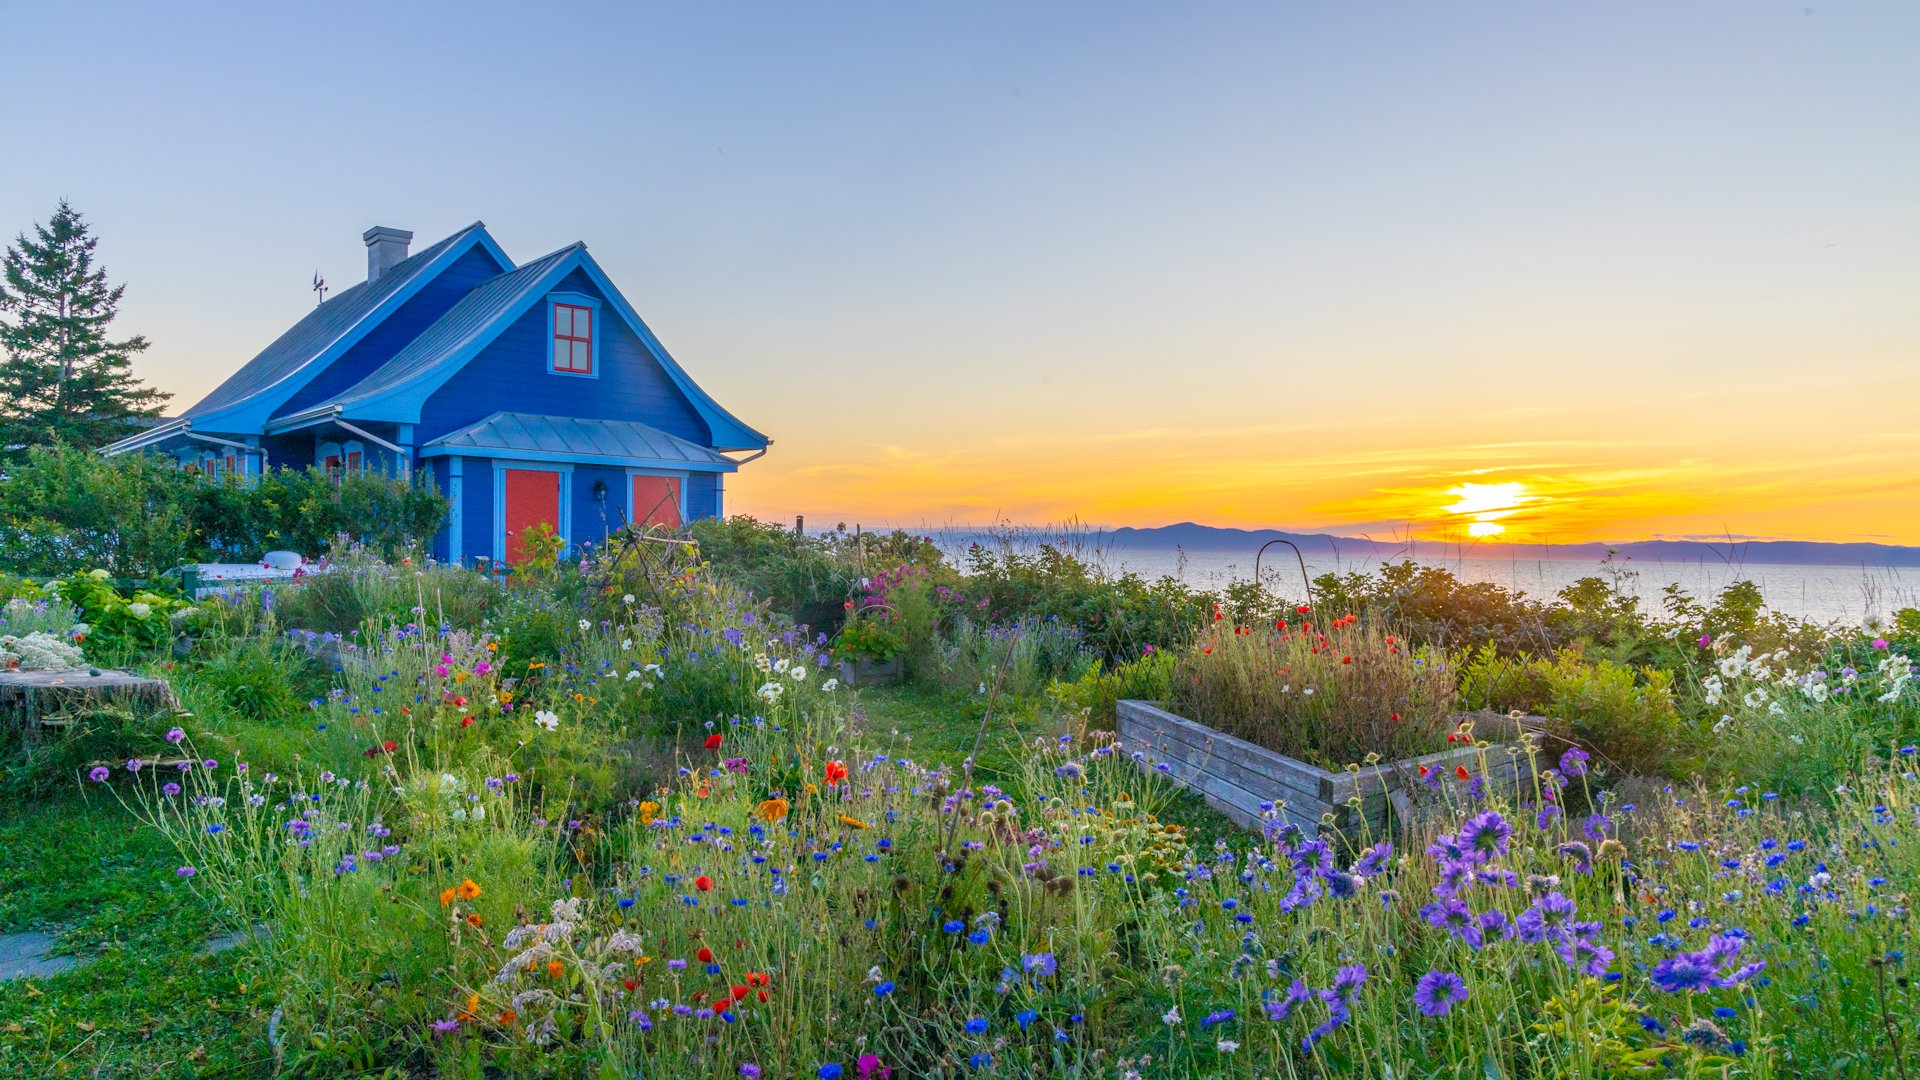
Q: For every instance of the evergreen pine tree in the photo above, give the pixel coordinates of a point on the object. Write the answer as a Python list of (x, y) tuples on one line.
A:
[(62, 379)]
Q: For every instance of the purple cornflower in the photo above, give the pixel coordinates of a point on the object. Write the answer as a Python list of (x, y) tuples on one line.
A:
[(442, 1027), (1298, 993), (1454, 916), (185, 872), (1706, 969), (1574, 762), (1484, 836), (1438, 992)]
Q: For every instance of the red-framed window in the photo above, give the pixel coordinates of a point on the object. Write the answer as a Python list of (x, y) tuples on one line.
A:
[(573, 339), (333, 467), (353, 462), (232, 469)]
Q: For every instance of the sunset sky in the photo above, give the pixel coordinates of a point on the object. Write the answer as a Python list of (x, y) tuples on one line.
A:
[(1550, 272)]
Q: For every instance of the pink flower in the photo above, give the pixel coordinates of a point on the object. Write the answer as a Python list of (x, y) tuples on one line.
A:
[(868, 1067), (99, 774), (1880, 643), (1706, 640)]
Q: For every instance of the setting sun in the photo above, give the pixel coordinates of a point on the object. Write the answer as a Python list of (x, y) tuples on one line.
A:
[(1485, 528)]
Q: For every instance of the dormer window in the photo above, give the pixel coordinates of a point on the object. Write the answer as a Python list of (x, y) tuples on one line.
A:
[(572, 338)]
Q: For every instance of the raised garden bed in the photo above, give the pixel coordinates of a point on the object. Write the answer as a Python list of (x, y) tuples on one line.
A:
[(864, 671), (1236, 777)]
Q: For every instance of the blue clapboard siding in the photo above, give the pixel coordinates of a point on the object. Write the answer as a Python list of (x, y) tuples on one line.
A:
[(476, 508), (512, 373), (593, 519), (701, 488), (397, 329), (437, 470)]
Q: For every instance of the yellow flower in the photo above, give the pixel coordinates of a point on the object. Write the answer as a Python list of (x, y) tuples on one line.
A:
[(853, 822), (648, 811), (772, 810)]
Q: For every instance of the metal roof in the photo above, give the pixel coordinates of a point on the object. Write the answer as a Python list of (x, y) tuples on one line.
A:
[(323, 328), (471, 318), (507, 434)]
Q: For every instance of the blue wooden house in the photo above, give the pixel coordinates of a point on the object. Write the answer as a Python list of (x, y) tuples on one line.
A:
[(529, 393)]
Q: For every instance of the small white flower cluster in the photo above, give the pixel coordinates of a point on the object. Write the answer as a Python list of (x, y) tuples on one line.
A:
[(39, 651)]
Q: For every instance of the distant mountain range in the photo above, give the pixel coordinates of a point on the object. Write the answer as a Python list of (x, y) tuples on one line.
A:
[(1189, 536)]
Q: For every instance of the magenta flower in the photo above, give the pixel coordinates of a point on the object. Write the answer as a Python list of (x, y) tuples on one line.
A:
[(1880, 643), (99, 774), (1706, 640), (175, 735), (185, 872)]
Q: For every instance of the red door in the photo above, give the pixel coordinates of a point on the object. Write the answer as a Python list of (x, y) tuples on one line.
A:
[(656, 500), (532, 498)]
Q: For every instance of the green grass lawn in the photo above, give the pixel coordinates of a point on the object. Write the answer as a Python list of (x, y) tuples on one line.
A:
[(146, 1002)]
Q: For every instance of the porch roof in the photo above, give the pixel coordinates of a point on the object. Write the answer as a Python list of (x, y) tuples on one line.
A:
[(526, 437)]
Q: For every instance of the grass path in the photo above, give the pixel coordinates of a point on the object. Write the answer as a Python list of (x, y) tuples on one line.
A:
[(149, 1001)]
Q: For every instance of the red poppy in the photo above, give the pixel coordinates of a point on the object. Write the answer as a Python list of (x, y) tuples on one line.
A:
[(629, 984), (704, 884), (714, 740), (1396, 718), (1423, 770), (1461, 771), (387, 747), (466, 721), (1302, 609), (757, 978), (835, 773), (1346, 659), (740, 992), (705, 955)]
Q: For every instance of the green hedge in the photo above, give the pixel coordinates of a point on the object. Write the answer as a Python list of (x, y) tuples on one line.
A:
[(138, 516)]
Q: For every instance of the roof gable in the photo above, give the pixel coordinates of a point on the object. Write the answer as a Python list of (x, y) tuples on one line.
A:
[(243, 403), (399, 389), (524, 436)]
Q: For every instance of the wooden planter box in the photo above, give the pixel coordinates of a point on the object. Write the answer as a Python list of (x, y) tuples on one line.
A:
[(1235, 776), (868, 672)]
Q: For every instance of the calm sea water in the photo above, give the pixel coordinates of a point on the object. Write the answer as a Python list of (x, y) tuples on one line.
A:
[(1823, 593)]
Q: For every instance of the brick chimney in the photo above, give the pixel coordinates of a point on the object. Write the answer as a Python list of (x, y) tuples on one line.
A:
[(385, 249)]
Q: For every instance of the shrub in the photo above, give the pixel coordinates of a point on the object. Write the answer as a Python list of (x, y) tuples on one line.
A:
[(138, 517), (1329, 695)]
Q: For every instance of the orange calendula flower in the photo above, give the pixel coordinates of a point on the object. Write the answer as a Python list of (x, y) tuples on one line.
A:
[(473, 919), (853, 822), (468, 890), (771, 810), (473, 1006), (446, 897), (508, 1016), (555, 969), (648, 811)]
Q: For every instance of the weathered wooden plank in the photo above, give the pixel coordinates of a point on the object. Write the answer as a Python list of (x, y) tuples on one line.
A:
[(1235, 776), (1253, 767)]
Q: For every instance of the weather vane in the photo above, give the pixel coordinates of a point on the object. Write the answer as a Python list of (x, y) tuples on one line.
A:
[(320, 287)]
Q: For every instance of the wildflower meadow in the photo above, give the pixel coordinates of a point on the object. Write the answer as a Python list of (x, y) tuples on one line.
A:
[(623, 816)]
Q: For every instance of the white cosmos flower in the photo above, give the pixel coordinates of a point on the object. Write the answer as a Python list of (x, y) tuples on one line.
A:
[(770, 692), (1755, 698), (626, 644), (546, 720), (627, 599), (798, 672), (830, 685), (780, 666), (585, 625)]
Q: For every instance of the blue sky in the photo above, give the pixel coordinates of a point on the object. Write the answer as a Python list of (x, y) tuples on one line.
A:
[(963, 260)]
